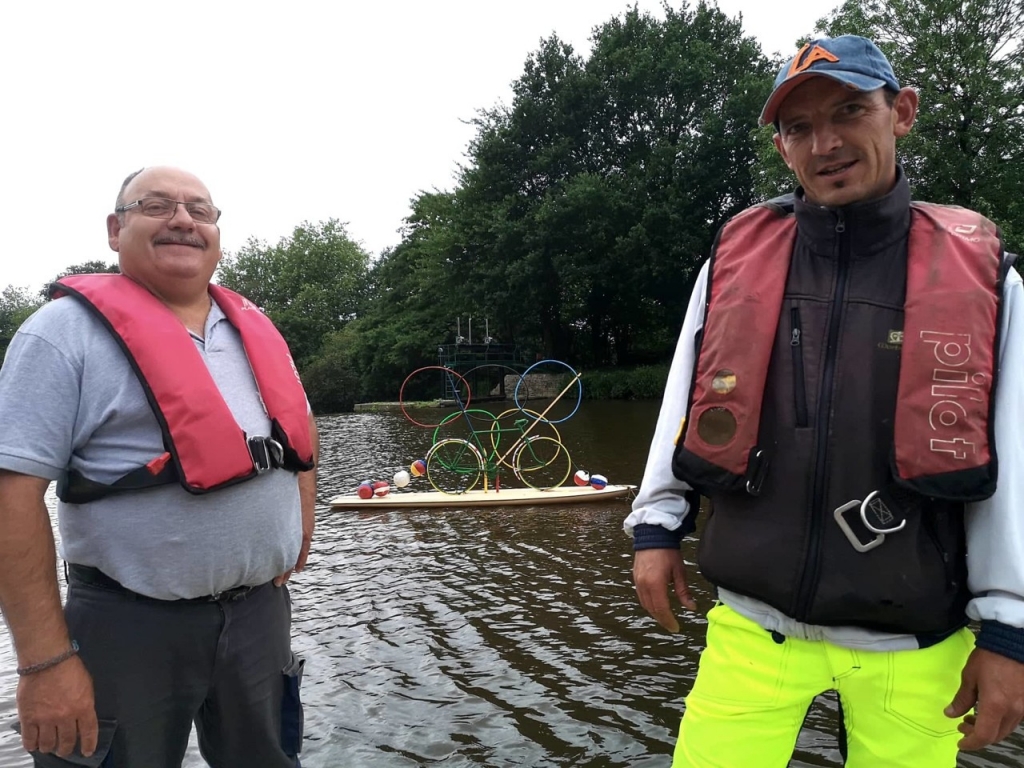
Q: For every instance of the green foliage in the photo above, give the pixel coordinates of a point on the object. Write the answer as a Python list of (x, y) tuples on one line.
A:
[(773, 177), (966, 61), (16, 304), (331, 383), (85, 268), (645, 382), (590, 201), (414, 289), (311, 285)]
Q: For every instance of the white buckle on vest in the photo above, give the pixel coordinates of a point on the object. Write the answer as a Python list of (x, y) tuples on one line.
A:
[(848, 531), (876, 508)]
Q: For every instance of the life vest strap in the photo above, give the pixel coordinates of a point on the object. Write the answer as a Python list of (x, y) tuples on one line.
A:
[(75, 488)]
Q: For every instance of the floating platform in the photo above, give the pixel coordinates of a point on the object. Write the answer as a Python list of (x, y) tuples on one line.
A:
[(506, 497)]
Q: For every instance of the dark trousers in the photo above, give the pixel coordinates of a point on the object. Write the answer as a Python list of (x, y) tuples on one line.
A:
[(160, 666)]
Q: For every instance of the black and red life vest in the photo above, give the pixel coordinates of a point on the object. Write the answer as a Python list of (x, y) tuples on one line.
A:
[(206, 449), (943, 431)]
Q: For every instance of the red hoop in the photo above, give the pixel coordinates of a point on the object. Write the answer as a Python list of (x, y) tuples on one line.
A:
[(401, 394)]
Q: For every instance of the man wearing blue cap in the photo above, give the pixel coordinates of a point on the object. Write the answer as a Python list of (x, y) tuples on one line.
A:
[(834, 396)]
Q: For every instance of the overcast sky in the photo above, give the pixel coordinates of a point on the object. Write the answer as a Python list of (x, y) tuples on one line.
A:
[(288, 111)]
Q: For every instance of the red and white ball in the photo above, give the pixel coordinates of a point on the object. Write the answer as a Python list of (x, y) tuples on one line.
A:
[(381, 488), (581, 478)]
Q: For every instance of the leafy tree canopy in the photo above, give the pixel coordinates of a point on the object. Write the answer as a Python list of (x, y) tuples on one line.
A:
[(588, 203), (16, 304), (966, 61), (310, 284), (85, 268)]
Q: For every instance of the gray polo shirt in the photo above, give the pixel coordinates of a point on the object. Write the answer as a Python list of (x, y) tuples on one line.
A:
[(68, 397)]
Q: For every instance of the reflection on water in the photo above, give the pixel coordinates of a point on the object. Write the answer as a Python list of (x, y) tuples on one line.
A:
[(500, 637)]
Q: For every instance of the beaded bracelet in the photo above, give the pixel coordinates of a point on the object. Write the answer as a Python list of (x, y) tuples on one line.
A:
[(31, 669)]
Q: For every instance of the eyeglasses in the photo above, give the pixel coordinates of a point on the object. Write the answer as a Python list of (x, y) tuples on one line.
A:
[(162, 208)]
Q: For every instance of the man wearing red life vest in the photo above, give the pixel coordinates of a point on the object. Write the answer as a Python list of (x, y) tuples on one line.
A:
[(850, 367), (170, 413)]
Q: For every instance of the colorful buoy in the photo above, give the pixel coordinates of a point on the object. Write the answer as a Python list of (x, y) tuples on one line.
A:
[(597, 482), (418, 468), (581, 478), (365, 490)]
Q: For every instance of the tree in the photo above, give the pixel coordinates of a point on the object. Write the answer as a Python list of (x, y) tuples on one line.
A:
[(311, 284), (589, 202), (966, 61), (16, 304), (85, 268), (417, 290)]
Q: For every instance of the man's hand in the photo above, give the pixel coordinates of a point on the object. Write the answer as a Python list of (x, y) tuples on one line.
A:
[(57, 710), (308, 523), (994, 685), (55, 705), (654, 570)]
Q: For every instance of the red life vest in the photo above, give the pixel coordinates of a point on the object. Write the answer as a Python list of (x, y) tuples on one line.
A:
[(944, 445), (206, 448)]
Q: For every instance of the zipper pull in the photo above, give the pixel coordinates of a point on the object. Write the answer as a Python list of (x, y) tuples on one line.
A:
[(794, 340), (840, 223)]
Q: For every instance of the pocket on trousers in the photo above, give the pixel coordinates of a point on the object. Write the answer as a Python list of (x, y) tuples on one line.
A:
[(291, 707), (921, 683), (741, 665), (103, 743)]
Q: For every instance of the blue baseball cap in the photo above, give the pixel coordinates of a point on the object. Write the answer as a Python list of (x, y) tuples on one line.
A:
[(851, 60)]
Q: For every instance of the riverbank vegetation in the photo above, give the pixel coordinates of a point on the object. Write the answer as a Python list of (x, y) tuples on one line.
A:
[(585, 207)]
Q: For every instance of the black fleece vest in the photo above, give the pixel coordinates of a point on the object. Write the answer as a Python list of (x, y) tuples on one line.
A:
[(808, 396)]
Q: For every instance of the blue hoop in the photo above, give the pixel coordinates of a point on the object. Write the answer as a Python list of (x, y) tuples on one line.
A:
[(579, 391)]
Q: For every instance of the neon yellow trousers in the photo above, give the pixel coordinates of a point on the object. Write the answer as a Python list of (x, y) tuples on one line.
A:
[(752, 693)]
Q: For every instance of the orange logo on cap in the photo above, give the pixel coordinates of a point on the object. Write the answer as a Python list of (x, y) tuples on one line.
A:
[(817, 53)]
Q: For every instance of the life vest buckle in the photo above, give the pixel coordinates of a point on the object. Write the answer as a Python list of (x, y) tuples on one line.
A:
[(266, 453), (880, 517), (848, 531), (757, 470)]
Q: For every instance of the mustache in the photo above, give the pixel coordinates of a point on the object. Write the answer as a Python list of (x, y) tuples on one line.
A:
[(190, 240)]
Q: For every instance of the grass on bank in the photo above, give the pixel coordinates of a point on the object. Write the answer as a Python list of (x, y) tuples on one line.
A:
[(644, 383)]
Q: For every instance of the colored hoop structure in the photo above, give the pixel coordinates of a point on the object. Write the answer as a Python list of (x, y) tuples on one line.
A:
[(535, 455), (449, 372), (542, 462), (510, 372), (574, 383), (472, 415), (454, 466), (524, 414)]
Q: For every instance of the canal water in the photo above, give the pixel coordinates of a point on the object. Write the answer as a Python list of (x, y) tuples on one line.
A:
[(495, 637)]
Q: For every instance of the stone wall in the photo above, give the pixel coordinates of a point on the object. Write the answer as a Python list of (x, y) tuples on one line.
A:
[(536, 386)]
